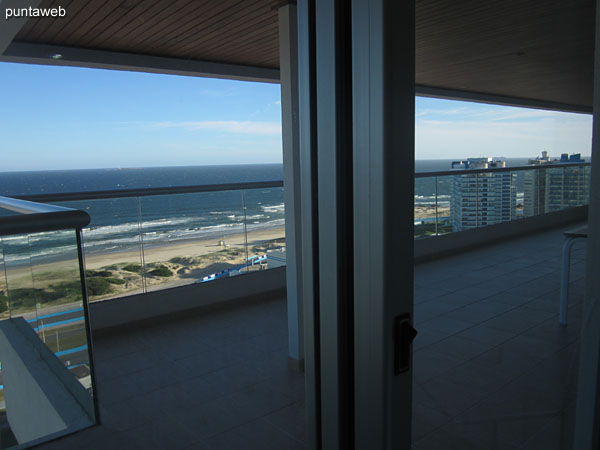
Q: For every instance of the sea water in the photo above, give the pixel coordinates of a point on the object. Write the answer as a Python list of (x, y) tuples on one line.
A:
[(116, 223)]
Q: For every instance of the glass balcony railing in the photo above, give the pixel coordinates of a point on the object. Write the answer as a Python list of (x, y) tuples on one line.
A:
[(460, 200), (46, 368), (140, 240), (148, 239)]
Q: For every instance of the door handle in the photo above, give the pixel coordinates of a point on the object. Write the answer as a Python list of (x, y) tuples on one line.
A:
[(404, 334)]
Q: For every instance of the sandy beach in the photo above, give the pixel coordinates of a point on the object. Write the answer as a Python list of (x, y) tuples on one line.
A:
[(428, 212), (183, 262), (114, 274), (183, 249)]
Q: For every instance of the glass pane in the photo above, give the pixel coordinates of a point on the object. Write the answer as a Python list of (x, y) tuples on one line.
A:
[(533, 192), (575, 186), (22, 297), (463, 205), (4, 312), (265, 214), (588, 173), (517, 185), (425, 207), (59, 317), (444, 201), (113, 256), (555, 189), (46, 385), (192, 237)]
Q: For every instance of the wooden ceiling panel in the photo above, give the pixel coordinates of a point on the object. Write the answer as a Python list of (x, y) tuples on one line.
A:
[(199, 28), (39, 29), (251, 23), (533, 49), (528, 49), (190, 29), (151, 23), (128, 18), (77, 25)]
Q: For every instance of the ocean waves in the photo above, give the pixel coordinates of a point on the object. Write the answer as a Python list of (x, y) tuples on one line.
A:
[(215, 225), (118, 229), (430, 200)]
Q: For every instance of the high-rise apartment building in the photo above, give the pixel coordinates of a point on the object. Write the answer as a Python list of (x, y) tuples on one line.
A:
[(555, 184), (481, 198)]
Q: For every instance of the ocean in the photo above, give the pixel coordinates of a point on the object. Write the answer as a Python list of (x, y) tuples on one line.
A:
[(116, 223)]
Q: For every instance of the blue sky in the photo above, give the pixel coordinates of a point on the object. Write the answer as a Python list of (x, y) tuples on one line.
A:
[(69, 118), (452, 129)]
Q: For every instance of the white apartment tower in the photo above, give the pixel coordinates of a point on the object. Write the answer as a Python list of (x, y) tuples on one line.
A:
[(480, 197), (555, 184)]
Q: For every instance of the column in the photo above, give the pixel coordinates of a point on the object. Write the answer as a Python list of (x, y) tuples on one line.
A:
[(587, 428), (356, 78), (383, 57), (288, 58)]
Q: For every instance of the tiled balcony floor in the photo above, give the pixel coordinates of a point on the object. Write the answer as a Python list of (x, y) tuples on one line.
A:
[(492, 367), (213, 381)]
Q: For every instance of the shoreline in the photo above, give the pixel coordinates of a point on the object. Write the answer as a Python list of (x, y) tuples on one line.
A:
[(188, 248), (428, 212), (184, 262)]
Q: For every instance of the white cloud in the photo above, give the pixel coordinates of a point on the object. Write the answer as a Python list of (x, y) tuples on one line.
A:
[(449, 129), (228, 126), (499, 114), (486, 113), (516, 133), (443, 112)]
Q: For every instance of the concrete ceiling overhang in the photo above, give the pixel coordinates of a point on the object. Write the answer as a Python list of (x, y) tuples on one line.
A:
[(535, 53)]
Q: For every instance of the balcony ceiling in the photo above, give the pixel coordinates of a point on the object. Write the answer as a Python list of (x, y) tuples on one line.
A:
[(529, 49)]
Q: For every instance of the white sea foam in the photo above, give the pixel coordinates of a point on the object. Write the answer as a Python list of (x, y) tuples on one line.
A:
[(125, 236), (273, 208), (111, 230)]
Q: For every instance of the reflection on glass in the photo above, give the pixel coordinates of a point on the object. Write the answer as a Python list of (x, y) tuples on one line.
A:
[(59, 318), (575, 186), (555, 188), (44, 351), (112, 244)]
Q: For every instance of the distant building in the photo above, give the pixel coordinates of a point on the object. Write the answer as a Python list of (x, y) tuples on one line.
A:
[(481, 198), (556, 185)]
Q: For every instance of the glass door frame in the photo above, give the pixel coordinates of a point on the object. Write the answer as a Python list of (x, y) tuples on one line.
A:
[(356, 109)]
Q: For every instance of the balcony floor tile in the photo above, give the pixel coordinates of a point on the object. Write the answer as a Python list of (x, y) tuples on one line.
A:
[(492, 367)]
